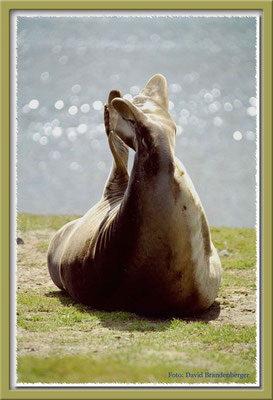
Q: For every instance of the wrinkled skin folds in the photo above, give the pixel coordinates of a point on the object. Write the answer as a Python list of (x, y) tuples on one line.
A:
[(146, 245)]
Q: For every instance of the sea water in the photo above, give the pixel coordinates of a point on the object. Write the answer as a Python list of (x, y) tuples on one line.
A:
[(66, 67)]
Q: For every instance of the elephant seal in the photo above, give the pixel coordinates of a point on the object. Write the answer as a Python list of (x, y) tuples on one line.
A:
[(145, 246)]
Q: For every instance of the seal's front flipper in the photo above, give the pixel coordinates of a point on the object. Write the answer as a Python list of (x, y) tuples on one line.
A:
[(110, 114), (118, 148), (119, 176)]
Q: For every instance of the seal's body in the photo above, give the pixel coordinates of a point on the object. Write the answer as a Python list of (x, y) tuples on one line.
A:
[(146, 245)]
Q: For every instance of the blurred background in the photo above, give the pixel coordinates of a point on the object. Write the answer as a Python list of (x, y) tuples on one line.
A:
[(66, 67)]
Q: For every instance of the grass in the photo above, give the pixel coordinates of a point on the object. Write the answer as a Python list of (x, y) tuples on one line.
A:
[(154, 368), (26, 222), (60, 341)]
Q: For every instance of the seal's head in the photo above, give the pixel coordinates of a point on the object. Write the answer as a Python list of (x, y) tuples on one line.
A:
[(145, 121)]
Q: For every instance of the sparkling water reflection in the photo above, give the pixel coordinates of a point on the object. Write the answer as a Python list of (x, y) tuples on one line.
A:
[(66, 67)]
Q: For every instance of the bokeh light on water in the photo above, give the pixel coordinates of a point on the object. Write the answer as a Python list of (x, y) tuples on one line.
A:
[(66, 68)]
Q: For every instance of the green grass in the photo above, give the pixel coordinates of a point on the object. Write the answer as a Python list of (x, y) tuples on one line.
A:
[(39, 314), (238, 241), (26, 222), (121, 366), (62, 341)]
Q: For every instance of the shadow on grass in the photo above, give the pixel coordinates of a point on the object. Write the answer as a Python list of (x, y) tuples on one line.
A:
[(128, 321)]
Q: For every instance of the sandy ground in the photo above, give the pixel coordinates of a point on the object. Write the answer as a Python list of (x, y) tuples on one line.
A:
[(32, 272)]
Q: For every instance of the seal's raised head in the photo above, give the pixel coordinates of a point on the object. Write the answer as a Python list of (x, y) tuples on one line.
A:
[(146, 117)]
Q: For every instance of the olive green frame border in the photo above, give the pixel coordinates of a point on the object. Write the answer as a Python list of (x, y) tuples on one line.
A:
[(266, 123)]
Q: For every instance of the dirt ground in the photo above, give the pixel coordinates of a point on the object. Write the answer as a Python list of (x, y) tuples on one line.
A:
[(237, 306)]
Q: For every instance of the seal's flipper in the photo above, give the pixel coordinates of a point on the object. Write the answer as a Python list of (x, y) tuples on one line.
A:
[(119, 151), (118, 148), (110, 114), (113, 94), (119, 176)]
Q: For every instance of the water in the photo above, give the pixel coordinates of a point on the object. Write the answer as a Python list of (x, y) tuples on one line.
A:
[(66, 68)]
